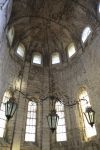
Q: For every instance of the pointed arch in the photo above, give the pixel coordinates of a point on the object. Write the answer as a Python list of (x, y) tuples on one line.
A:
[(83, 94)]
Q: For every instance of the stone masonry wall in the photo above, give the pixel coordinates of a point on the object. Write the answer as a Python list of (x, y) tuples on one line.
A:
[(80, 71)]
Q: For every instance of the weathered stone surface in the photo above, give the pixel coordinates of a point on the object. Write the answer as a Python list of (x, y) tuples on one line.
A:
[(65, 21)]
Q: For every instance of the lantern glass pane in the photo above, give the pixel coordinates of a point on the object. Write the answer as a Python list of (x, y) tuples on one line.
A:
[(91, 116), (14, 106), (49, 121), (10, 108), (53, 121)]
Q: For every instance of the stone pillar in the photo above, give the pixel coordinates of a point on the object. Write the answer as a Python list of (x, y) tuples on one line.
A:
[(46, 130), (20, 112), (4, 18)]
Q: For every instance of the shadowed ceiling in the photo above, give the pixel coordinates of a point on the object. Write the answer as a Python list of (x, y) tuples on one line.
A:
[(51, 25)]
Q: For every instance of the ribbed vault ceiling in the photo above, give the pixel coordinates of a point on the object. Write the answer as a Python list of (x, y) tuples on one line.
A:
[(51, 25)]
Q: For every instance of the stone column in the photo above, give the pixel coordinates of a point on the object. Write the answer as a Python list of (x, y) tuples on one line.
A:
[(20, 112), (46, 130)]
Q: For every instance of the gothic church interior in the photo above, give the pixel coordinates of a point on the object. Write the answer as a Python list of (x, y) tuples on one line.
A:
[(49, 74)]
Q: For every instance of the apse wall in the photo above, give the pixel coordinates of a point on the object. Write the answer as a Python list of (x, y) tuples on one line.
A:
[(83, 71), (8, 68), (80, 71)]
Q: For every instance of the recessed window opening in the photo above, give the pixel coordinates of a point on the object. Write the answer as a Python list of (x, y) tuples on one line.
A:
[(10, 35), (2, 113), (37, 59), (71, 50), (21, 50), (61, 127), (30, 134), (55, 58), (99, 7), (85, 34), (90, 131)]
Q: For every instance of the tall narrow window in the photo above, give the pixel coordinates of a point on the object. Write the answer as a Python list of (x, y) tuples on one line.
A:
[(55, 58), (10, 35), (61, 128), (85, 34), (2, 113), (31, 122), (90, 131), (21, 50)]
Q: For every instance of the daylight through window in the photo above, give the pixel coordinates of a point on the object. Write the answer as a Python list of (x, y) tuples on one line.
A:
[(2, 113), (90, 131), (85, 34), (21, 50), (71, 50), (37, 59), (10, 35), (31, 122), (61, 128), (55, 58)]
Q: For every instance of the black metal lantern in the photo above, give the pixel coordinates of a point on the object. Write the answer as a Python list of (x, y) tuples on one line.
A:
[(52, 120), (10, 108), (90, 115)]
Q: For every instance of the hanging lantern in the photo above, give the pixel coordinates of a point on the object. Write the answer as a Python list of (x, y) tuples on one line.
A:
[(52, 120), (10, 108), (90, 116)]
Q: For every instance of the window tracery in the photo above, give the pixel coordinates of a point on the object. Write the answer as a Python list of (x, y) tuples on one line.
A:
[(30, 133), (61, 127)]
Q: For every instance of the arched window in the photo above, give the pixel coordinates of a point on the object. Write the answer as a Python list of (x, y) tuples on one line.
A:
[(55, 58), (61, 127), (30, 134), (2, 113), (90, 131), (85, 34), (10, 35), (21, 50), (37, 58), (71, 50)]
